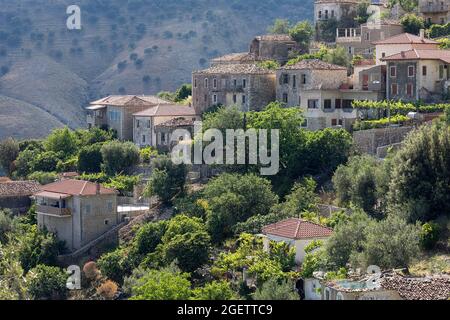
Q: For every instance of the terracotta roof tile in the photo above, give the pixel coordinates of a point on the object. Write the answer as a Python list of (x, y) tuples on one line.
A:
[(406, 38), (430, 288), (75, 188), (19, 188), (125, 100), (177, 122), (313, 64), (297, 229), (167, 110), (421, 54)]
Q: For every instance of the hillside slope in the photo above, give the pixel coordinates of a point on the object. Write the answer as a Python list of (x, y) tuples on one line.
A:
[(125, 46)]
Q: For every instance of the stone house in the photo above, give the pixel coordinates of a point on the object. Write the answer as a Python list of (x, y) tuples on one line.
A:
[(402, 42), (166, 130), (359, 41), (297, 233), (418, 74), (116, 112), (15, 195), (333, 9), (247, 86), (435, 11), (276, 47), (145, 123), (321, 90), (78, 212)]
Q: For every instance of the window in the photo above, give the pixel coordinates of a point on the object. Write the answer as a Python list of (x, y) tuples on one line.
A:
[(393, 71), (244, 99), (333, 122), (195, 83), (143, 138), (326, 14), (347, 104), (114, 116), (409, 90), (285, 97), (303, 78), (338, 104), (215, 98), (327, 294), (234, 98), (285, 78), (394, 89), (235, 83), (138, 123), (350, 50), (87, 209), (383, 54), (320, 14), (411, 71), (206, 83), (332, 13), (106, 222), (149, 124), (367, 36), (424, 71), (441, 71), (313, 104), (215, 83), (341, 122), (294, 81), (339, 296), (305, 123), (206, 98), (327, 104), (110, 206), (244, 83)]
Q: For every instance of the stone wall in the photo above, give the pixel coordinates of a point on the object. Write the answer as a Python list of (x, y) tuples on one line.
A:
[(368, 141), (17, 205)]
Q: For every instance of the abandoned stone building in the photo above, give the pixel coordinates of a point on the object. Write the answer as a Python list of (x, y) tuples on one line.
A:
[(322, 91), (15, 195), (116, 112), (167, 129), (276, 47), (435, 11), (247, 86)]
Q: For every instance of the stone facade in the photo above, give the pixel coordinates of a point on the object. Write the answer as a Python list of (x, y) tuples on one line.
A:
[(368, 141), (165, 131), (435, 11), (273, 47), (333, 9), (15, 195), (247, 86)]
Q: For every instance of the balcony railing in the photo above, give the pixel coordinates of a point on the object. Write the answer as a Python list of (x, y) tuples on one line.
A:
[(53, 211), (434, 8)]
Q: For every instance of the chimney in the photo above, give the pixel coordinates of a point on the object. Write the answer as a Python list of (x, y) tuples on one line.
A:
[(97, 188), (422, 34)]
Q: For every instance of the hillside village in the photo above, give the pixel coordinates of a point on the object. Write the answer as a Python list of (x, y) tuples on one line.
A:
[(359, 209)]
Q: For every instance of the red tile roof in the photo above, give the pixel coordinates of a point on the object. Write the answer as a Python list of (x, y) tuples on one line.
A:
[(430, 288), (421, 54), (297, 229), (18, 188), (129, 100), (75, 188), (313, 64), (167, 110), (406, 38)]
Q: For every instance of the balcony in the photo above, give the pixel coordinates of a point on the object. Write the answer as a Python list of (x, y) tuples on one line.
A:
[(434, 8), (53, 211), (348, 35)]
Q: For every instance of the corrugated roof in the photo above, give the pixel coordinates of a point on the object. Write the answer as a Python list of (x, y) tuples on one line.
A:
[(125, 100), (421, 54), (236, 69), (297, 229), (76, 187), (19, 188), (406, 38), (167, 110), (313, 64)]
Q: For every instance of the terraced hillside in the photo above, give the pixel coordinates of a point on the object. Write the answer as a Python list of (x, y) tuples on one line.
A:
[(132, 47)]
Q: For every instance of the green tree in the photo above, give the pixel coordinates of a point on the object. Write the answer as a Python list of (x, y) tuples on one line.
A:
[(90, 159), (274, 289), (412, 23), (361, 12), (119, 156), (420, 184), (9, 151), (234, 198), (167, 180), (113, 265), (183, 92), (165, 284), (6, 225), (216, 290), (302, 32), (149, 236), (390, 243), (62, 141), (280, 26), (337, 56), (47, 283), (43, 177), (187, 242), (13, 285)]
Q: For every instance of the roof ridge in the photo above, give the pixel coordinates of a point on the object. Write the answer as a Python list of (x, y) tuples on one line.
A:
[(84, 187)]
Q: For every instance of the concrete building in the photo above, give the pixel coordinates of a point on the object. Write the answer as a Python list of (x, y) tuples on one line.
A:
[(322, 91), (15, 195), (116, 112), (145, 123), (359, 41), (435, 11), (297, 233), (402, 42), (78, 212), (247, 86), (418, 74)]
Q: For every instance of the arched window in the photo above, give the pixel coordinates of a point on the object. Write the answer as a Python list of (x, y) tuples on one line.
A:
[(340, 296)]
